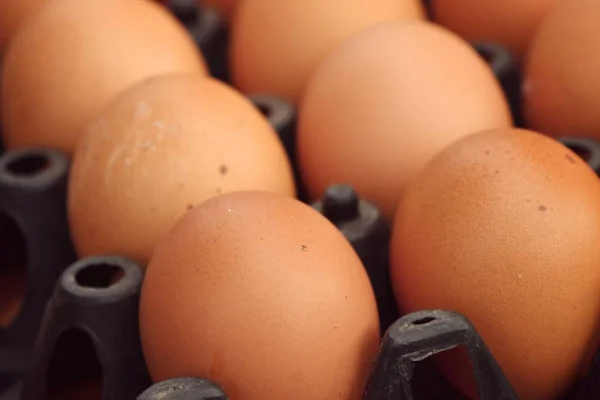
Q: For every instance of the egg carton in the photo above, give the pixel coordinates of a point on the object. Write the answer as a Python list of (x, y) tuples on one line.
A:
[(78, 320), (32, 201)]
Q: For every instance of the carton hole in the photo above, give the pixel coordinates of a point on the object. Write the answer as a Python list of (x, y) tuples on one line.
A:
[(13, 271), (448, 375), (99, 276), (28, 165), (74, 372), (423, 321)]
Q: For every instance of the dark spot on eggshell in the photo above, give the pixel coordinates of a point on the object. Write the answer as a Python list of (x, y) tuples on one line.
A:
[(487, 152), (223, 169), (496, 172), (570, 159), (190, 206), (542, 208)]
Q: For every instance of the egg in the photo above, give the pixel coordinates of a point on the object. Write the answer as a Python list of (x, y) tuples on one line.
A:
[(276, 45), (503, 227), (511, 23), (384, 103), (74, 56), (161, 147), (13, 14), (262, 295), (561, 87)]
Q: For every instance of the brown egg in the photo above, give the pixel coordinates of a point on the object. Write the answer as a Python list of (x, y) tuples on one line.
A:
[(387, 101), (74, 56), (562, 85), (276, 45), (13, 13), (264, 296), (511, 23), (503, 227), (160, 148)]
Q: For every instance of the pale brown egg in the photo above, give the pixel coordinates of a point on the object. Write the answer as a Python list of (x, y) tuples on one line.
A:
[(384, 103), (561, 86), (503, 227), (13, 13), (74, 56), (276, 45), (511, 23), (157, 150), (262, 295)]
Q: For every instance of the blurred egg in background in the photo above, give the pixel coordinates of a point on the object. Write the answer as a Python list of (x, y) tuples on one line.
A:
[(511, 23), (276, 45), (385, 102), (74, 56), (561, 87), (13, 13)]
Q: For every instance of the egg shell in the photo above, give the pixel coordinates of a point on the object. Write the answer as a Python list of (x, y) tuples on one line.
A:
[(385, 102), (264, 296), (511, 23), (13, 14), (503, 227), (160, 148), (276, 45), (74, 56), (561, 86)]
